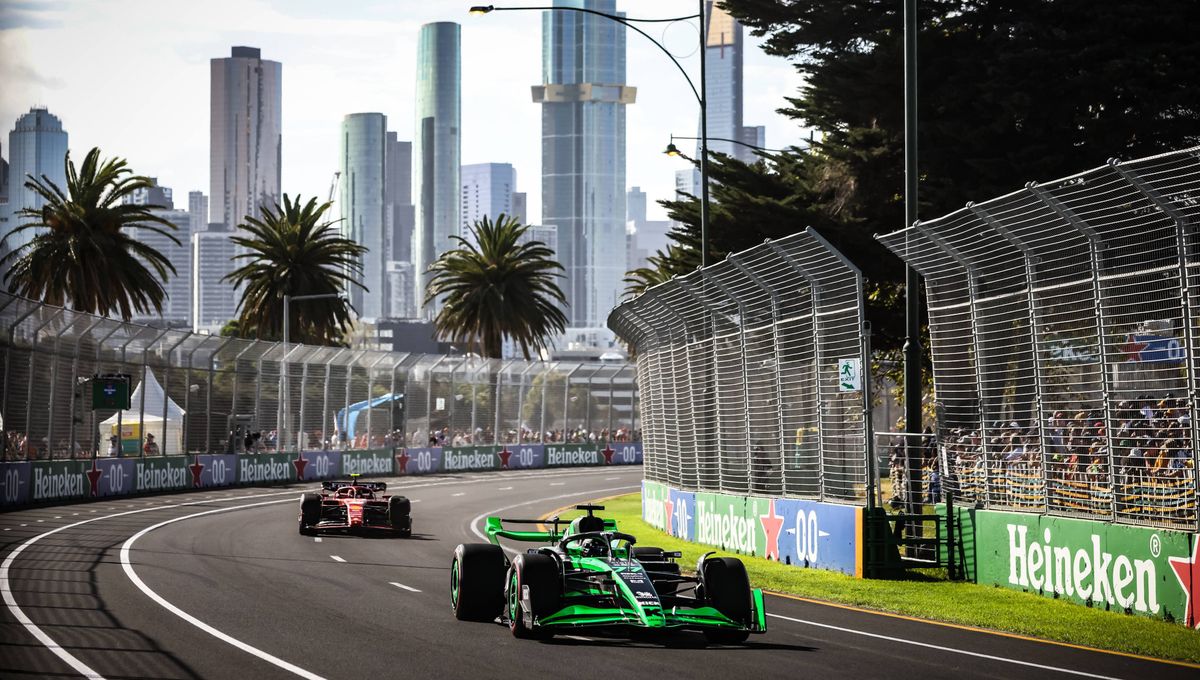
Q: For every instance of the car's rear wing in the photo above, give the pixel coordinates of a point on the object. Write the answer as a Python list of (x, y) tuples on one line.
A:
[(550, 533), (373, 486)]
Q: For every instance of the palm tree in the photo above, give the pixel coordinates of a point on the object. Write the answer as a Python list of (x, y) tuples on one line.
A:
[(80, 254), (291, 251), (493, 286)]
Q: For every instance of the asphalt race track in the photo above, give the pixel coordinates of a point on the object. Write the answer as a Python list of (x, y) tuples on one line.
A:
[(218, 584)]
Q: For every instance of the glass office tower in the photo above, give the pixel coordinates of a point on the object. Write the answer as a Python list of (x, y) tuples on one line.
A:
[(436, 147), (245, 137), (583, 97), (37, 145), (363, 206)]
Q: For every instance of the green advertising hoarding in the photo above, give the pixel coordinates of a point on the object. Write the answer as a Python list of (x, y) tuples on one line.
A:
[(59, 480), (467, 458), (1145, 571)]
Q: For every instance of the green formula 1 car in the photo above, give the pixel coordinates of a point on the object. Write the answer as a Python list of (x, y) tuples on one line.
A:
[(592, 576)]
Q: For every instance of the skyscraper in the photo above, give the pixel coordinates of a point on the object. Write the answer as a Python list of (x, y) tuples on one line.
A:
[(520, 207), (177, 306), (198, 210), (363, 206), (398, 195), (244, 134), (724, 85), (487, 190), (214, 302), (436, 146), (3, 178), (37, 146), (155, 195), (583, 97)]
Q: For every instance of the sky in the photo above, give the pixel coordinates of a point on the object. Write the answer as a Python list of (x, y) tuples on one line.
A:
[(132, 77)]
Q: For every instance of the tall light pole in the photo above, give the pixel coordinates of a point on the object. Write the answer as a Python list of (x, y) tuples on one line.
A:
[(285, 393), (674, 151), (700, 93), (912, 293)]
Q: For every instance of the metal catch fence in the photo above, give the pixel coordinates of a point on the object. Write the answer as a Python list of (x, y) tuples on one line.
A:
[(1063, 324), (738, 364), (209, 394)]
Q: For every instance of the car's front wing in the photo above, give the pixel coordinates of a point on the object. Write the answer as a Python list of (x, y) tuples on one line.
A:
[(674, 618)]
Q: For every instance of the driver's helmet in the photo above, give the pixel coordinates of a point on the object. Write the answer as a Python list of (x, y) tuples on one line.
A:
[(364, 492), (593, 547), (345, 492)]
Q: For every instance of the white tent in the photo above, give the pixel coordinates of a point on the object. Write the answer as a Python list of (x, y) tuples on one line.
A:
[(148, 413)]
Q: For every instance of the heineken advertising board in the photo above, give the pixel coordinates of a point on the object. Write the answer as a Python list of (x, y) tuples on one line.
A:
[(469, 458), (1151, 572), (798, 532), (373, 463)]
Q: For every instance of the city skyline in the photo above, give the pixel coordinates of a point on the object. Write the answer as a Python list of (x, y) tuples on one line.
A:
[(356, 67)]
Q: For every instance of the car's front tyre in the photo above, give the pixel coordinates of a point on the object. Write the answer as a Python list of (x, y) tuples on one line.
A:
[(477, 581), (727, 589), (538, 573)]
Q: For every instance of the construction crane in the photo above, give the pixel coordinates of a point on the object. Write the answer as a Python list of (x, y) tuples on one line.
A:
[(334, 184)]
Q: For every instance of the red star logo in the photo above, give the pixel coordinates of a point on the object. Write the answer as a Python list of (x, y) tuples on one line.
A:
[(402, 462), (196, 469), (1188, 573), (94, 476), (608, 454), (669, 508), (1133, 349), (505, 454), (301, 462), (772, 524)]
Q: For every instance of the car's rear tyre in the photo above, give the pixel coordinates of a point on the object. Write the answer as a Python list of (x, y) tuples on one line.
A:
[(400, 515), (540, 574), (310, 513), (477, 581), (727, 589)]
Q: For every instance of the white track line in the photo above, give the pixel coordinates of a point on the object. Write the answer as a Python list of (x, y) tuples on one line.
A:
[(503, 488), (461, 493), (557, 483), (40, 635), (952, 650), (335, 558), (316, 539), (137, 581), (401, 585), (85, 670)]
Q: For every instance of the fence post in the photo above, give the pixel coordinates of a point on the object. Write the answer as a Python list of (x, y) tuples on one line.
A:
[(776, 317), (521, 400), (33, 353), (53, 384), (326, 444), (816, 291), (973, 291), (429, 396), (142, 405), (212, 375), (1035, 333), (567, 401), (1095, 247), (1183, 225), (75, 383), (167, 396)]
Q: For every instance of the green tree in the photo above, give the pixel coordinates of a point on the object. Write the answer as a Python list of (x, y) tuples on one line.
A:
[(81, 255), (494, 286), (292, 250)]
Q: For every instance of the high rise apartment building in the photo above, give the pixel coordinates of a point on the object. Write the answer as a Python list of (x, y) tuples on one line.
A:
[(436, 147), (487, 191), (198, 209), (153, 195), (177, 307), (363, 206), (583, 97), (214, 302), (244, 134), (400, 211)]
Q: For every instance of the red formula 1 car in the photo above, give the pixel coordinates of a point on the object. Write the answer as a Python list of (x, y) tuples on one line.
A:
[(355, 507)]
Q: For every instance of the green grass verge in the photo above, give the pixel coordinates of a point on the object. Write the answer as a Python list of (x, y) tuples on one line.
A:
[(925, 596)]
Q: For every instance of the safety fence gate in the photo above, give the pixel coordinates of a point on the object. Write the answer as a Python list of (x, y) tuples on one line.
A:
[(751, 374)]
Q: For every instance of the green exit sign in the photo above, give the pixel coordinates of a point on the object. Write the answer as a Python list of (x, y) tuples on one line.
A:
[(110, 392)]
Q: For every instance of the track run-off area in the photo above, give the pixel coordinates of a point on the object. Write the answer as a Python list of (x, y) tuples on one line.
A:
[(219, 584)]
